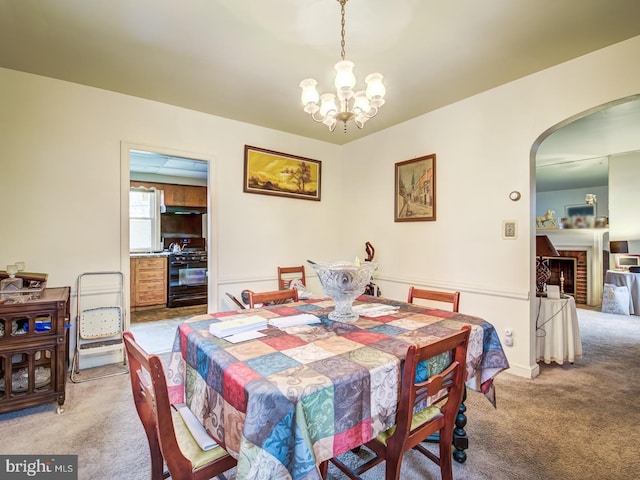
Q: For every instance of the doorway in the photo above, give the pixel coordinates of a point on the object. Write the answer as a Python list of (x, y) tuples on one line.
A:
[(572, 166), (183, 172)]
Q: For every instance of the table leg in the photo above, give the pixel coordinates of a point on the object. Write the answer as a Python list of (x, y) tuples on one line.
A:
[(460, 439)]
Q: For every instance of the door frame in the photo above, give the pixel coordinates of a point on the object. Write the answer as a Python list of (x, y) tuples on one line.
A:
[(212, 238)]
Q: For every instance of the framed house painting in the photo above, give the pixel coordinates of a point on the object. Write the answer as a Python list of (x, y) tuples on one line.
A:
[(415, 191), (273, 173)]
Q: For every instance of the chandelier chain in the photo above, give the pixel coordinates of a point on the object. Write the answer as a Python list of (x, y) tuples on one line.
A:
[(342, 31), (346, 103)]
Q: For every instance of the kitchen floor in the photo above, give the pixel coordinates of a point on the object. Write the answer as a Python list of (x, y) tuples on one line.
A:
[(155, 330), (167, 313)]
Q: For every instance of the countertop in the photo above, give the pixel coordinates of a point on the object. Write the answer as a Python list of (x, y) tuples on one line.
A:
[(149, 254)]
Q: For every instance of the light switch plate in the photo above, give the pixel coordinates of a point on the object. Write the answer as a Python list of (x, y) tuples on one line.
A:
[(509, 230)]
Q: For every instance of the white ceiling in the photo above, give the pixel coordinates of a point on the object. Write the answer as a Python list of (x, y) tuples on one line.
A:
[(577, 155), (166, 165), (244, 59)]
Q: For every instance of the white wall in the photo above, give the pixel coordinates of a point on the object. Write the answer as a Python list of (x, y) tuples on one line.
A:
[(61, 187), (61, 176), (484, 151), (624, 198)]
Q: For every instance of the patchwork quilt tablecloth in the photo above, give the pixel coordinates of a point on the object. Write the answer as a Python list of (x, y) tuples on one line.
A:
[(283, 403)]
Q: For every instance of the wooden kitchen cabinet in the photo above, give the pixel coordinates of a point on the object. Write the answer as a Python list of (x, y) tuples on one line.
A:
[(178, 195), (34, 350), (185, 196), (148, 282)]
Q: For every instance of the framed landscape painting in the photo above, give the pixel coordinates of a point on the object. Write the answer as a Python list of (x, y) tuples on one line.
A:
[(415, 191), (273, 173)]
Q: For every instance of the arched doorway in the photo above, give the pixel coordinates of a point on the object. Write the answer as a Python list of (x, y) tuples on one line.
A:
[(574, 158)]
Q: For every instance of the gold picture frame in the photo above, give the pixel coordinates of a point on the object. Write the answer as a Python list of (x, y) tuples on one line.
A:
[(274, 173), (415, 190)]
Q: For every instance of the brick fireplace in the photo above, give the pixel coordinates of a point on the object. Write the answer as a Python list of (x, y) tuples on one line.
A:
[(573, 266), (581, 261)]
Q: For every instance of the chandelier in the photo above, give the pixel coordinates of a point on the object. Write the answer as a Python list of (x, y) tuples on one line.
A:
[(345, 104)]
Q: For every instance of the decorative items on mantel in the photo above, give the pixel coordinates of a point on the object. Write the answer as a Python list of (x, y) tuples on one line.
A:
[(576, 216), (547, 220), (583, 216)]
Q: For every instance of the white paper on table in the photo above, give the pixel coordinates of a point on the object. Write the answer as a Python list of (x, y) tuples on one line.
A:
[(244, 336), (366, 307), (200, 435), (238, 325), (379, 313), (294, 320), (374, 310)]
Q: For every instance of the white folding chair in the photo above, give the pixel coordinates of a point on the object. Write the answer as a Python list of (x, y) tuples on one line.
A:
[(98, 331)]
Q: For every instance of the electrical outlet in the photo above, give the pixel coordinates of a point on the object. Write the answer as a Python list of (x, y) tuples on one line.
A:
[(508, 337)]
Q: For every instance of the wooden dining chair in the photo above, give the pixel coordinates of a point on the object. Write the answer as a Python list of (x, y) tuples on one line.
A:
[(170, 441), (273, 297), (413, 428), (236, 301), (447, 297), (287, 274)]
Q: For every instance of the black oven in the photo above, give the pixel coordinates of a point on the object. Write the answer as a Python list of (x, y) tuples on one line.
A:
[(187, 279)]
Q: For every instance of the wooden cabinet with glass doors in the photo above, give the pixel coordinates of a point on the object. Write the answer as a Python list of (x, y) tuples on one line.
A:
[(34, 351)]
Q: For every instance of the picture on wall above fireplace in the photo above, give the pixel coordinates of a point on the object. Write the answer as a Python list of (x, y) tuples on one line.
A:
[(580, 216)]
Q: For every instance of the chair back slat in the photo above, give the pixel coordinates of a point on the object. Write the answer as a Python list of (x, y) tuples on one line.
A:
[(446, 297), (273, 297), (287, 274), (445, 387)]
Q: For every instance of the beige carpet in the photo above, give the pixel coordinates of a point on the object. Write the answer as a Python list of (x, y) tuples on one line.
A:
[(572, 422)]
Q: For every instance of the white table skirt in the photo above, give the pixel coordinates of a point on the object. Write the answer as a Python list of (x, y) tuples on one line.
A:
[(632, 282), (557, 330)]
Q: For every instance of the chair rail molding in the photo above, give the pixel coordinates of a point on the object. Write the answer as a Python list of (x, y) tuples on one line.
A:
[(495, 291)]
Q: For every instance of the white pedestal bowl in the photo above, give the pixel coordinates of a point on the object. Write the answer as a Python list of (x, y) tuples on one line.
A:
[(344, 282)]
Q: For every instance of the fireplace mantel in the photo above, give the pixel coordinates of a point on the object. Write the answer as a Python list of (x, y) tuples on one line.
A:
[(591, 240)]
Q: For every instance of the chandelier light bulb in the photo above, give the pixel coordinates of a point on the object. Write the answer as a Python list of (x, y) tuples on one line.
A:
[(345, 79), (375, 87), (361, 103), (361, 120), (309, 92), (328, 104), (345, 104), (330, 122)]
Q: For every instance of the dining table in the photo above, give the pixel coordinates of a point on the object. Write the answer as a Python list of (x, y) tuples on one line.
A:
[(308, 388)]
